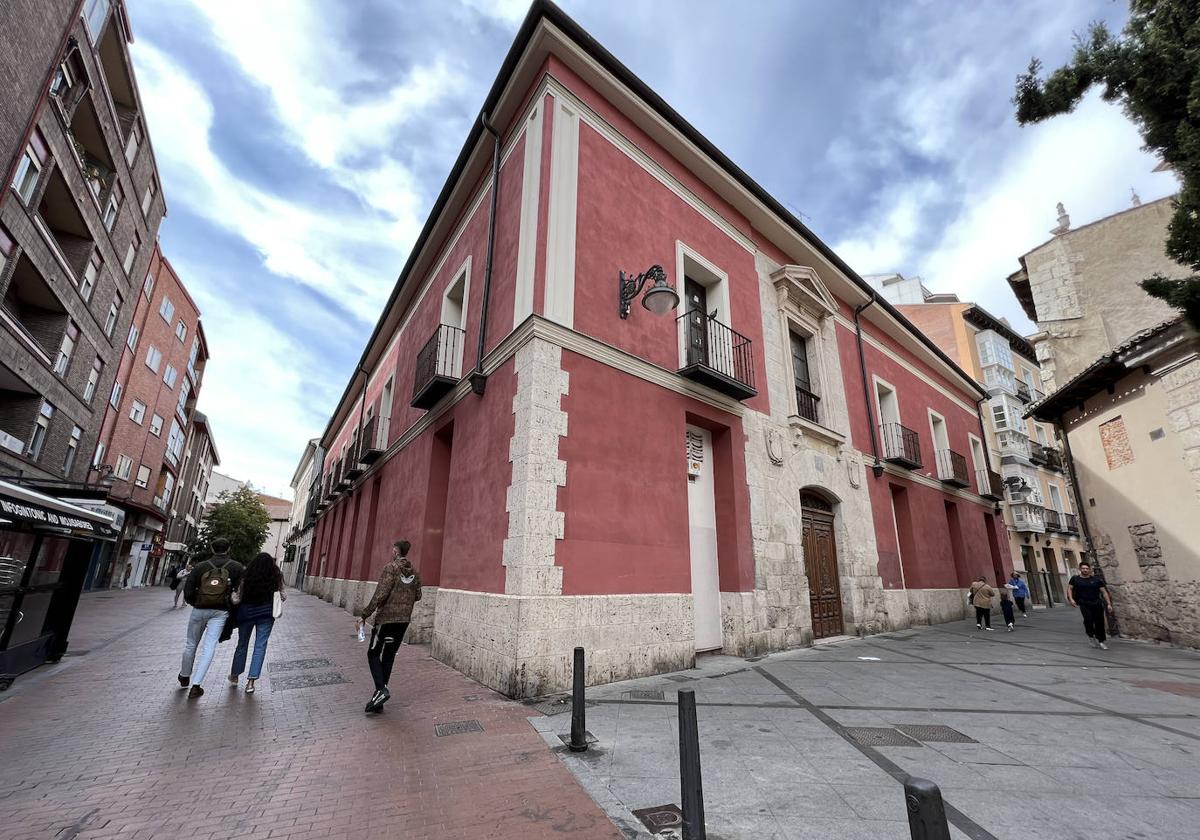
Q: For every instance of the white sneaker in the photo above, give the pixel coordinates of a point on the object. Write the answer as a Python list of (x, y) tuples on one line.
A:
[(979, 626), (1103, 646), (989, 629), (1010, 628)]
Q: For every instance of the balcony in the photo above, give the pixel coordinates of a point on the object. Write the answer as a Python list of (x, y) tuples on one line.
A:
[(91, 150), (1023, 392), (952, 469), (900, 445), (353, 468), (374, 439), (62, 226), (340, 480), (806, 404), (1070, 523), (1028, 518), (439, 367), (1053, 458), (1037, 454), (990, 485), (718, 356), (33, 309), (1052, 520), (1013, 443)]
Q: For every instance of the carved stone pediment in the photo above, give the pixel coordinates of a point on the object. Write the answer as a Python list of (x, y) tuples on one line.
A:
[(800, 286)]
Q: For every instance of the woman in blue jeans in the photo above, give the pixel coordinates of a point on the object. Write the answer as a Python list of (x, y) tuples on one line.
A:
[(260, 582)]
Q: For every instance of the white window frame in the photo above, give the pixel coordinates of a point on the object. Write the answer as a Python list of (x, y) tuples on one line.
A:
[(137, 412), (93, 380), (148, 284), (143, 476), (876, 382), (933, 436), (41, 431), (978, 453), (98, 455), (181, 331), (123, 467), (114, 315), (170, 376), (1054, 495), (114, 399), (132, 340), (91, 274), (22, 184), (690, 263), (154, 358), (72, 450), (111, 211), (166, 309), (148, 197), (89, 17), (133, 144), (156, 424)]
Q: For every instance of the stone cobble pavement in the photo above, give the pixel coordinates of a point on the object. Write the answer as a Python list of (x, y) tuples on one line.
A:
[(106, 745)]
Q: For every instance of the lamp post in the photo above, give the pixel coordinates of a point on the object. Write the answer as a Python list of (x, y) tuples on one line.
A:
[(660, 298)]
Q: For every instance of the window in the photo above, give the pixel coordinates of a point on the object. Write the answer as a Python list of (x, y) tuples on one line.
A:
[(66, 349), (95, 12), (166, 309), (148, 196), (89, 276), (131, 252), (72, 449), (181, 331), (170, 375), (806, 400), (1056, 501), (174, 443), (133, 143), (25, 180), (153, 358), (133, 337), (889, 406), (63, 81), (6, 249), (143, 476), (148, 285), (156, 426), (166, 483), (124, 466), (41, 428), (115, 399), (89, 390), (192, 356), (181, 405), (138, 412), (1041, 434), (978, 457), (114, 314), (937, 430), (993, 349), (113, 208), (98, 458)]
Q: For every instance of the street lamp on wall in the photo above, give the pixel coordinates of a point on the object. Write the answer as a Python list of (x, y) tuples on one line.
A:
[(659, 298)]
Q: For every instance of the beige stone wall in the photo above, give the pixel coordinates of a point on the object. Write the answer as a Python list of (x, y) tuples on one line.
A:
[(353, 595), (1084, 284)]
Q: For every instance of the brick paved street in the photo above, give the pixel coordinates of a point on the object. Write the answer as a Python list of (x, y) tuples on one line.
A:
[(106, 745), (1066, 741)]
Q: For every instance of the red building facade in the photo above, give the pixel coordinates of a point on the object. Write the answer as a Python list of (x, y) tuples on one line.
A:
[(769, 460), (145, 427)]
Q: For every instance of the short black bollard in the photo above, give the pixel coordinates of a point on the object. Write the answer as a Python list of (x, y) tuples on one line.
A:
[(578, 716), (690, 788), (926, 813)]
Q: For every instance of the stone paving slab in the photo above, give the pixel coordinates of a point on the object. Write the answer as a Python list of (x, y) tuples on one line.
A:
[(106, 745), (1070, 742)]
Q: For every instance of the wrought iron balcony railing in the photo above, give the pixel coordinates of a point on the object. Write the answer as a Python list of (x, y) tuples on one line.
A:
[(439, 366), (1053, 520), (900, 445), (1022, 391), (806, 404), (1070, 523), (374, 439), (1053, 458), (718, 356), (1037, 453), (952, 468), (990, 485)]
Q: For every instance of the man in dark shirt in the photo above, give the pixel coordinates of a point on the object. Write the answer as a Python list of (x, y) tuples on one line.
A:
[(207, 589), (1089, 593)]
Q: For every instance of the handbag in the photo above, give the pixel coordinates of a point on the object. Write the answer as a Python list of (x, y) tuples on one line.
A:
[(277, 605)]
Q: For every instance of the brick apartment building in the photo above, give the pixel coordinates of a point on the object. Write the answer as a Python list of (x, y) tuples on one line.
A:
[(187, 506), (621, 397), (141, 451), (79, 215)]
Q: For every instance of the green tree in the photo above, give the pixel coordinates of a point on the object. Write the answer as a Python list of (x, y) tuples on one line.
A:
[(238, 516), (1153, 70)]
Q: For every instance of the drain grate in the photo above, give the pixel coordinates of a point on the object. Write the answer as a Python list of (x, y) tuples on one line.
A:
[(458, 727), (934, 733), (306, 681), (644, 694), (553, 705), (880, 736), (661, 818), (299, 665)]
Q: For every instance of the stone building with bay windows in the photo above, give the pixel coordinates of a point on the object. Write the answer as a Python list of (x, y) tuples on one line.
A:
[(620, 397)]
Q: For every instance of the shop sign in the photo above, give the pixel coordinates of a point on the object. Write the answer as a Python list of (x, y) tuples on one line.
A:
[(35, 514)]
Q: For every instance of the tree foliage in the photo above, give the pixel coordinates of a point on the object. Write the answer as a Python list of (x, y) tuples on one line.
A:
[(238, 516), (1153, 70)]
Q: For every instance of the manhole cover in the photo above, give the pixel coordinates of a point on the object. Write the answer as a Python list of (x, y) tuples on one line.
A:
[(932, 733), (660, 818), (642, 694), (299, 665), (458, 727), (879, 736), (306, 681)]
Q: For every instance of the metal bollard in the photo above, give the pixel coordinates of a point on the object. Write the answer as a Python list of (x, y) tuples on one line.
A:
[(1049, 591), (578, 715), (690, 788), (926, 813)]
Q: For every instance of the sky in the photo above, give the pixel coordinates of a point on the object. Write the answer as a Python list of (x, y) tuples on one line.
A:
[(301, 142)]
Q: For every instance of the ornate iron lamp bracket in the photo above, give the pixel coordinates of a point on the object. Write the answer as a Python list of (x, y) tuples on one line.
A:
[(630, 287)]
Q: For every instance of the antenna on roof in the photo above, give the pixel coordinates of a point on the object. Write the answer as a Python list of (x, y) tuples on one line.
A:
[(1134, 198)]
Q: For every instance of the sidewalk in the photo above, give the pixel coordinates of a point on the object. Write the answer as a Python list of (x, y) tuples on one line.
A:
[(106, 745), (1036, 735)]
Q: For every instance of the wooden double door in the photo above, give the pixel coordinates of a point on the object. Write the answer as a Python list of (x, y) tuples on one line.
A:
[(821, 565)]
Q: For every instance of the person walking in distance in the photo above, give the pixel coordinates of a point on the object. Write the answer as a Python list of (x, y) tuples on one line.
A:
[(208, 589), (981, 598), (399, 588), (1020, 591), (180, 574), (1006, 605), (256, 613), (1088, 592)]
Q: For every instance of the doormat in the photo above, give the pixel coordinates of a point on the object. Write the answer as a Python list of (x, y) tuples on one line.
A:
[(661, 818), (934, 734), (306, 681), (880, 736), (458, 727), (299, 665)]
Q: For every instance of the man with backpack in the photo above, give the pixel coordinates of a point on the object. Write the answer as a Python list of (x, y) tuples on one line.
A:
[(208, 589)]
